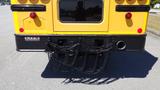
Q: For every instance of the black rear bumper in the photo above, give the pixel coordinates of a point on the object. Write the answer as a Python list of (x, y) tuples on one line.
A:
[(40, 43)]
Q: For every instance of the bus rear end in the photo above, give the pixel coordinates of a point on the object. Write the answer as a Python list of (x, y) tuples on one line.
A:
[(70, 30)]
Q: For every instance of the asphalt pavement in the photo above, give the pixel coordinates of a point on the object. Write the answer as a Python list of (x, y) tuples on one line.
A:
[(33, 70)]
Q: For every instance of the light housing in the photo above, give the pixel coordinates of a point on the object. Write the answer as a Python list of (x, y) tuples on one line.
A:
[(21, 29), (139, 30), (33, 15), (128, 15)]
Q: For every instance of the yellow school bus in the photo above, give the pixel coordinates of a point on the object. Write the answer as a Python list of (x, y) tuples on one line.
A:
[(80, 30)]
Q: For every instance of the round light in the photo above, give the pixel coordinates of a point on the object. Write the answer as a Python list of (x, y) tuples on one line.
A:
[(128, 15), (21, 29), (33, 15), (139, 30)]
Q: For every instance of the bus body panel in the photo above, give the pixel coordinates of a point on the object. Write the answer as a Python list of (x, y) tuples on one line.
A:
[(47, 22), (35, 33)]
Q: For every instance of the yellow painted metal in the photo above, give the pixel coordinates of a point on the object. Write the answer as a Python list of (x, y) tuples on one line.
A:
[(83, 27), (42, 24), (118, 22), (48, 23)]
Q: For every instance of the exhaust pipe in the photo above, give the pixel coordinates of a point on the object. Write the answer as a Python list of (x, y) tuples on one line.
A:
[(121, 45)]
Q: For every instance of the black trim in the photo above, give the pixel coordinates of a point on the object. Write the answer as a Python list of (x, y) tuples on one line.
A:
[(28, 7), (75, 35), (132, 8), (133, 42)]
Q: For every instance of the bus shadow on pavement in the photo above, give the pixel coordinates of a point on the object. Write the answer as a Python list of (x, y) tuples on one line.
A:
[(120, 65)]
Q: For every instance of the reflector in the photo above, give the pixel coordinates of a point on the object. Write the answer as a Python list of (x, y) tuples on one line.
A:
[(139, 30), (21, 29)]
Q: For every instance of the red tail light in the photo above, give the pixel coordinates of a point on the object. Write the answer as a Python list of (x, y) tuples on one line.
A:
[(128, 15), (33, 15), (21, 29), (139, 30)]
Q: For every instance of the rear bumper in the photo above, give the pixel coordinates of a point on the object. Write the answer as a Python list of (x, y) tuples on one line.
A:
[(40, 43)]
